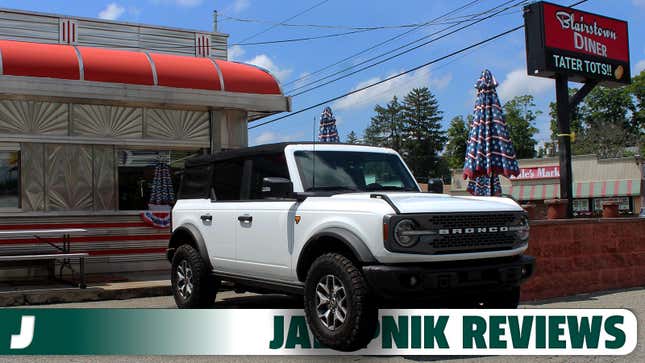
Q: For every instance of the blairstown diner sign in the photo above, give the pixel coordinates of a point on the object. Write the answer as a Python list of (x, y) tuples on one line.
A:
[(584, 46)]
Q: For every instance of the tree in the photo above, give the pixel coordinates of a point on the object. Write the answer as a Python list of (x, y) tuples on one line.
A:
[(423, 137), (608, 129), (386, 127), (352, 138), (608, 120), (637, 91), (520, 116), (576, 123), (457, 141), (605, 138)]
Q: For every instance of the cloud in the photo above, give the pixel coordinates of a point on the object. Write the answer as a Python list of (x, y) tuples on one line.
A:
[(239, 6), (639, 67), (518, 83), (188, 3), (112, 12), (235, 52), (269, 137), (265, 62), (182, 3), (384, 91)]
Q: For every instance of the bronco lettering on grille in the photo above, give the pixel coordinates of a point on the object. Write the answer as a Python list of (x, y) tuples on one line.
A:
[(473, 230)]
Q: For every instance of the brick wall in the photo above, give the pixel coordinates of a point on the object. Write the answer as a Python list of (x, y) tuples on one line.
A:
[(585, 255)]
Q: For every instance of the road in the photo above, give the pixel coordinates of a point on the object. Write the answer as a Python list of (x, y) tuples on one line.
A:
[(633, 299)]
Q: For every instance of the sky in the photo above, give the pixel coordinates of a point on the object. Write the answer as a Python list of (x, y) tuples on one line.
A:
[(451, 81)]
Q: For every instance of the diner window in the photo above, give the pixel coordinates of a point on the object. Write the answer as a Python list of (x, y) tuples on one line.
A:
[(624, 205), (139, 173), (9, 178), (581, 207)]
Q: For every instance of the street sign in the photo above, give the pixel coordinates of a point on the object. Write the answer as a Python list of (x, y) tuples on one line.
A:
[(581, 45)]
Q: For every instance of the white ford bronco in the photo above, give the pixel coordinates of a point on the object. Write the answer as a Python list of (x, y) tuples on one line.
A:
[(346, 226)]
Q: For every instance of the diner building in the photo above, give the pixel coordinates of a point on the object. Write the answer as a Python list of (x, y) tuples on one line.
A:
[(96, 115), (594, 181)]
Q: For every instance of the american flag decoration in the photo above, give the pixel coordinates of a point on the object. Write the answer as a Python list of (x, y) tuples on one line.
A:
[(327, 131), (490, 151), (68, 31), (162, 197), (202, 45)]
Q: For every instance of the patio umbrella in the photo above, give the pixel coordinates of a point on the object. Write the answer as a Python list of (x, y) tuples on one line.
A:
[(490, 151), (162, 193), (327, 131), (162, 196)]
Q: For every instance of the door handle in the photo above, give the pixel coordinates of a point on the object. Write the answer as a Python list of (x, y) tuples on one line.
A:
[(245, 219), (207, 218)]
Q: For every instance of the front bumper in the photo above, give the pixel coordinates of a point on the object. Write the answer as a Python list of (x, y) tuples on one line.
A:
[(432, 280)]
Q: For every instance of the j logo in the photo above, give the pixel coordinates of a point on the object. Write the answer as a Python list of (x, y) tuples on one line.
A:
[(23, 340)]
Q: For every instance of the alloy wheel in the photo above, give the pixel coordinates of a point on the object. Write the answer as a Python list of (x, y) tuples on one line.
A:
[(184, 279), (331, 302)]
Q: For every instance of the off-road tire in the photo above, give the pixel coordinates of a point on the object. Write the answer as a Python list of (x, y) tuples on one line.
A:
[(204, 285), (503, 299), (360, 324)]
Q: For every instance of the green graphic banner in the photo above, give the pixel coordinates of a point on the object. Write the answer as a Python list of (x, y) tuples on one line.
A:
[(238, 332)]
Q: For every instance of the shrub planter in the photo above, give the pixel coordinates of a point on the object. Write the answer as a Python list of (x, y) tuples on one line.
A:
[(530, 210), (556, 208), (610, 209)]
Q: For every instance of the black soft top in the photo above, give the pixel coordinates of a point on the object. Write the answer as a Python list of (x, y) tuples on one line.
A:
[(236, 153), (243, 152)]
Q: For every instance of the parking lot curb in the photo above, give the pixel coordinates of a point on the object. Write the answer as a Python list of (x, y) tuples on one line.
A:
[(113, 291)]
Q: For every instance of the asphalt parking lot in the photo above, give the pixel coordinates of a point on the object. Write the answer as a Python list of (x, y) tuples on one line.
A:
[(633, 299)]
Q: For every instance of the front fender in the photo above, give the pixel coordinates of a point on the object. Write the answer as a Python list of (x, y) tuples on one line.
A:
[(348, 238), (188, 233)]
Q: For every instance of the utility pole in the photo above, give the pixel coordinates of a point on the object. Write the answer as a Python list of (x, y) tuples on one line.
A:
[(566, 105)]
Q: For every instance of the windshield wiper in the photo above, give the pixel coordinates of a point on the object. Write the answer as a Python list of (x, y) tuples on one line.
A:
[(389, 187), (332, 188)]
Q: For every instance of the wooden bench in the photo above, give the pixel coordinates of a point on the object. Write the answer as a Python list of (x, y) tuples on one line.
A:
[(64, 254)]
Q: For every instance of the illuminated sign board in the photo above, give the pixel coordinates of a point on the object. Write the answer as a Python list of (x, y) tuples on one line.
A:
[(584, 46)]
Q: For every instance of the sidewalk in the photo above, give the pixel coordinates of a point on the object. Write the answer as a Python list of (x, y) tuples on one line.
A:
[(99, 287)]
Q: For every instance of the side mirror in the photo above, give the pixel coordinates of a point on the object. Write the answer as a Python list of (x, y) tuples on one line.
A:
[(279, 188), (435, 185)]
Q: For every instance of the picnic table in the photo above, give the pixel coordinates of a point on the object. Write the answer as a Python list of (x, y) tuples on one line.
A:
[(63, 250)]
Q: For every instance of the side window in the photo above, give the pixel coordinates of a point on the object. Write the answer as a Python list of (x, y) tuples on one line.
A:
[(196, 182), (273, 165), (227, 179)]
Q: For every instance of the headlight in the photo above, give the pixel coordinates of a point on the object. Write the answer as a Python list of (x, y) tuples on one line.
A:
[(523, 229), (401, 235)]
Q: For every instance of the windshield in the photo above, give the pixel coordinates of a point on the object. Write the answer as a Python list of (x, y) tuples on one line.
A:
[(352, 171)]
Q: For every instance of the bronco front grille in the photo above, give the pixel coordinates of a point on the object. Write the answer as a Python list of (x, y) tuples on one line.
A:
[(460, 232), (462, 220), (468, 243)]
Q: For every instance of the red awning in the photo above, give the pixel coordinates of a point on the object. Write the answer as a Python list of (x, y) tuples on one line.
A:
[(132, 67), (39, 60)]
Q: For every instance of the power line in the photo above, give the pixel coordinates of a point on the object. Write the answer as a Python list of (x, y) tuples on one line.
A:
[(391, 77), (342, 27), (284, 21), (306, 38), (395, 55), (381, 43), (399, 74)]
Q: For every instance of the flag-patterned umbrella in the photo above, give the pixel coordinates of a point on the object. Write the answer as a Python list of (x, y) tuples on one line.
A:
[(162, 196), (490, 151), (162, 191), (328, 132)]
